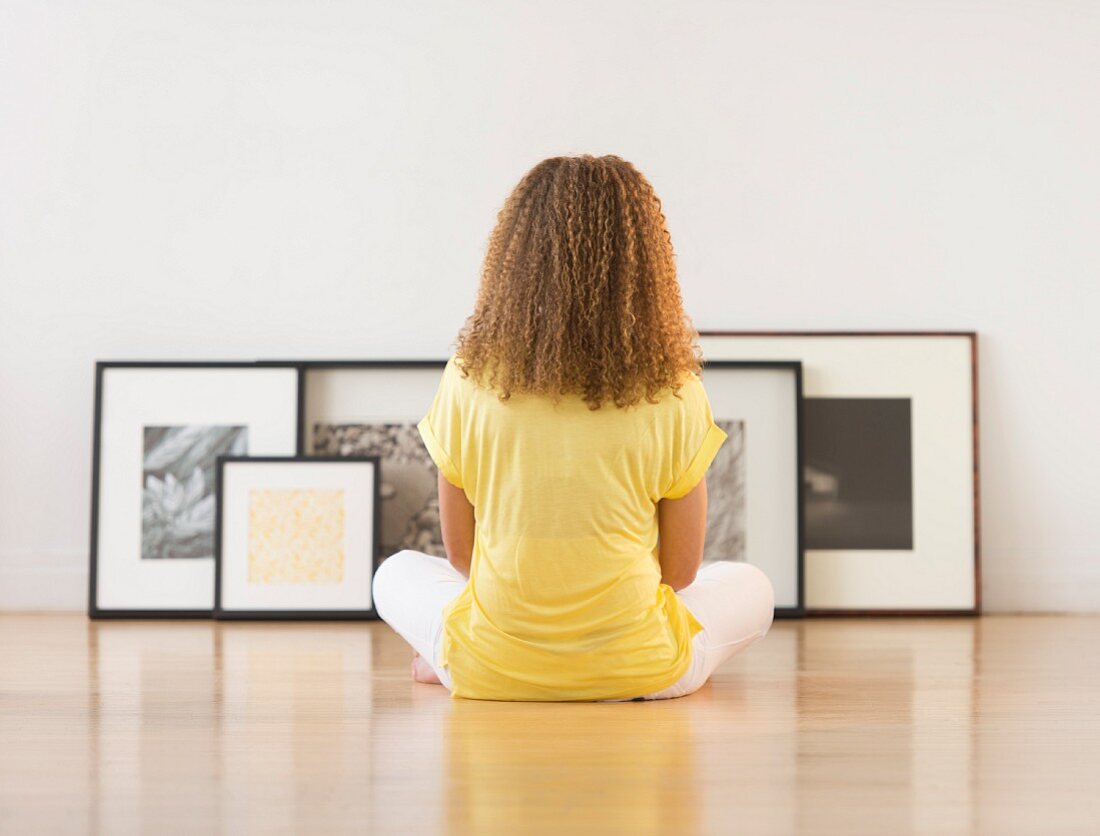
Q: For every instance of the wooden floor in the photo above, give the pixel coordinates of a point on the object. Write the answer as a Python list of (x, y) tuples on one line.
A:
[(876, 726)]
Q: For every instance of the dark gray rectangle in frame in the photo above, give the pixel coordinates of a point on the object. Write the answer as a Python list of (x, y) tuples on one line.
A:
[(858, 473)]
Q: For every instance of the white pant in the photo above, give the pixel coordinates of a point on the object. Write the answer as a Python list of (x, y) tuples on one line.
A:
[(733, 601)]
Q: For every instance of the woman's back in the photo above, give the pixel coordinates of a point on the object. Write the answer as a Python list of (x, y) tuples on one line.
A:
[(571, 407), (565, 599)]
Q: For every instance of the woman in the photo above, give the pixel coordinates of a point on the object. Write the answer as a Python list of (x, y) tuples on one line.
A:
[(572, 433)]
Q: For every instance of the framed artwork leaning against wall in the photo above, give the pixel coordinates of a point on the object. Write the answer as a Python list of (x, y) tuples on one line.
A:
[(372, 407), (754, 504), (159, 428), (890, 478), (296, 537)]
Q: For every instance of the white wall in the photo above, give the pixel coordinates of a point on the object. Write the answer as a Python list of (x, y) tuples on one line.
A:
[(226, 179)]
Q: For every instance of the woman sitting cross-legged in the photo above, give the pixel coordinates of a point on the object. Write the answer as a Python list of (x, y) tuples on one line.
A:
[(572, 434)]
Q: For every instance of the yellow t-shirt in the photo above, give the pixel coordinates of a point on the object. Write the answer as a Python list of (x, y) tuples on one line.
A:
[(565, 600)]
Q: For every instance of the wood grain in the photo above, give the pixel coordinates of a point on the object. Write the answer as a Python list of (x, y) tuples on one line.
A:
[(888, 725)]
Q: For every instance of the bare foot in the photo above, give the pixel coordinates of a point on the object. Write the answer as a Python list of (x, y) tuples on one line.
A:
[(422, 671)]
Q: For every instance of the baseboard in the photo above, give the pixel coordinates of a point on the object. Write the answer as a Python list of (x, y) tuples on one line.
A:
[(1034, 592), (54, 581)]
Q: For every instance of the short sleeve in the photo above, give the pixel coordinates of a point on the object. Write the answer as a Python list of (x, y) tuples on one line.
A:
[(695, 440), (441, 427)]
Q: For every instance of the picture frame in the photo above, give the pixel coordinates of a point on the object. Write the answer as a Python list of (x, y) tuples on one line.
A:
[(345, 402), (157, 429), (892, 505), (754, 498), (296, 537)]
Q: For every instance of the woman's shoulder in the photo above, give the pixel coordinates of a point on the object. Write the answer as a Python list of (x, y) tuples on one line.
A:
[(683, 403), (458, 382), (455, 371), (689, 388), (453, 367)]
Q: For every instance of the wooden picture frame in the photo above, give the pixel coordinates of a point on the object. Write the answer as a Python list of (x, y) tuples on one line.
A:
[(937, 371)]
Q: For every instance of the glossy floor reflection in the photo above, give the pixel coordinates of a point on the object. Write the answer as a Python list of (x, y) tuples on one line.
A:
[(828, 726)]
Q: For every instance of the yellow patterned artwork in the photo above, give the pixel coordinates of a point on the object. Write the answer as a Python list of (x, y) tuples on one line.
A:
[(295, 536)]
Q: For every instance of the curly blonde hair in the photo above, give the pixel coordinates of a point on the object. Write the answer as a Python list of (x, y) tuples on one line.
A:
[(578, 290)]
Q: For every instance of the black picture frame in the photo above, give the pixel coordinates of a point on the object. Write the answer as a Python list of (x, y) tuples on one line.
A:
[(795, 367), (101, 368), (306, 366), (222, 614)]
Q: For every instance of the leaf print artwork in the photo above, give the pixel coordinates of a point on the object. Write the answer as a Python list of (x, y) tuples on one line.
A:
[(177, 498)]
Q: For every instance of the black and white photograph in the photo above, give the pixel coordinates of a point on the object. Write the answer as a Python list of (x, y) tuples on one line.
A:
[(409, 491), (177, 497), (858, 473), (725, 538)]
